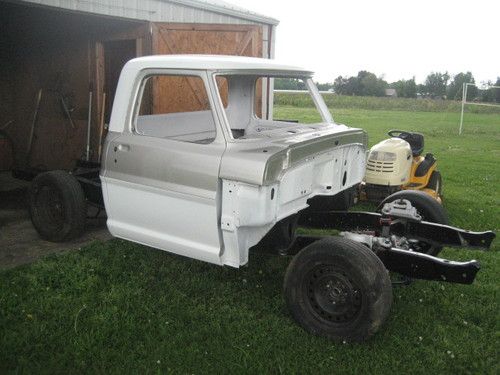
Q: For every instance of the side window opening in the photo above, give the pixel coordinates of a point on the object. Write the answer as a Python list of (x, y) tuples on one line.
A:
[(175, 107)]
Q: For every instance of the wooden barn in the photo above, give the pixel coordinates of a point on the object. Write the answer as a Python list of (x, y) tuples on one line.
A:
[(60, 61)]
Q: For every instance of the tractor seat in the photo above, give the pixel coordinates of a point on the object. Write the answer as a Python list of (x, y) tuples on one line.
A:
[(416, 141)]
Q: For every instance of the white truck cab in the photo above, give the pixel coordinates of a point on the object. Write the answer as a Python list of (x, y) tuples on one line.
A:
[(210, 181)]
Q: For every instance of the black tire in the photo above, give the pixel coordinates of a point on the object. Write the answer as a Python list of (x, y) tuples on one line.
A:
[(436, 183), (339, 289), (57, 206), (427, 207)]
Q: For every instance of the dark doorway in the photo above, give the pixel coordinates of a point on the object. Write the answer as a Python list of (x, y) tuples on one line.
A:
[(116, 54)]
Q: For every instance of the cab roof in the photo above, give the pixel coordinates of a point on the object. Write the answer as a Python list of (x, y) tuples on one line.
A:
[(213, 62)]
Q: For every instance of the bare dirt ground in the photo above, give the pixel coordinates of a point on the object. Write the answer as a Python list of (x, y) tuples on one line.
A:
[(19, 241)]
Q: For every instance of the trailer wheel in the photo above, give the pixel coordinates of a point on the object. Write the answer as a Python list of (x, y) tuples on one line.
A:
[(339, 289), (57, 206), (428, 208)]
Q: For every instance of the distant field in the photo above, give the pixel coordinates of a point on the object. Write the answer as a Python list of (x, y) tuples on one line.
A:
[(374, 103), (118, 307)]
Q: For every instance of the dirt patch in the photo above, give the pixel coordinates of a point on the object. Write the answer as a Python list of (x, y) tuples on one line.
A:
[(19, 241)]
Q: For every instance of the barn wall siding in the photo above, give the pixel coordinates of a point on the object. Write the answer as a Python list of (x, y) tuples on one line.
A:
[(153, 10)]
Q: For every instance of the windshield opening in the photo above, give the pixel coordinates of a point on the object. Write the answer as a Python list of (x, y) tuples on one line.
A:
[(247, 100)]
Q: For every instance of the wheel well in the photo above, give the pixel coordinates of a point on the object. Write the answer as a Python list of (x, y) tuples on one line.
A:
[(280, 238)]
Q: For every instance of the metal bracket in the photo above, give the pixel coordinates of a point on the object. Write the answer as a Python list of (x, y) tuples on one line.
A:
[(401, 208)]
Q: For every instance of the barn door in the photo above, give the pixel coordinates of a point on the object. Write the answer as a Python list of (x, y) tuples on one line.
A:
[(240, 40), (237, 40)]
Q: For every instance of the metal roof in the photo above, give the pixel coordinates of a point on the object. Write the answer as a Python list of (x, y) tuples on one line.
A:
[(211, 62), (219, 6), (186, 11)]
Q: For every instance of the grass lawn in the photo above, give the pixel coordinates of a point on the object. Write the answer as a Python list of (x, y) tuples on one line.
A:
[(119, 307)]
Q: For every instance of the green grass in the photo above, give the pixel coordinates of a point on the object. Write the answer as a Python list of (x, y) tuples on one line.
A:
[(118, 307), (375, 103)]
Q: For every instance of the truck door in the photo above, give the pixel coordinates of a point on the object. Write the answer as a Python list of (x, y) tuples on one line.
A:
[(160, 178)]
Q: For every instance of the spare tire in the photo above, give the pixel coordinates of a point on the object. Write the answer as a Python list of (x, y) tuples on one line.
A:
[(57, 206), (429, 208)]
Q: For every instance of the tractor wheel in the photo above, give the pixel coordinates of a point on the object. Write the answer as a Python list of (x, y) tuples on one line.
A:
[(57, 206), (436, 183), (339, 289), (427, 207)]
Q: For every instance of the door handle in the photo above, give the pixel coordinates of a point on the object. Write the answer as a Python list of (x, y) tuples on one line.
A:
[(122, 148)]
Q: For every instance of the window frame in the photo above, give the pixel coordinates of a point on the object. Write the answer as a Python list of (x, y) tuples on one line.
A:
[(139, 93)]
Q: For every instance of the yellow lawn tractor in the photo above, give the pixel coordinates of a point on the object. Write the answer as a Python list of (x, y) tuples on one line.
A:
[(397, 164)]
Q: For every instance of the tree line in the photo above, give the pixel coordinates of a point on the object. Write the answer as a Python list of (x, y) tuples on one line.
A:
[(437, 85)]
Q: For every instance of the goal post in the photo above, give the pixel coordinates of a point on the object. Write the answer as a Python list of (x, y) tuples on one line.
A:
[(464, 102)]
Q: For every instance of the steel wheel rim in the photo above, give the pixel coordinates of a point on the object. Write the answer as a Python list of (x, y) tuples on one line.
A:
[(51, 199), (333, 295)]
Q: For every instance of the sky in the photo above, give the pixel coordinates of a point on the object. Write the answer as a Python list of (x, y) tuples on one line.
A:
[(393, 39)]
